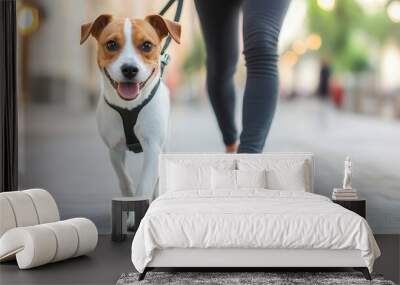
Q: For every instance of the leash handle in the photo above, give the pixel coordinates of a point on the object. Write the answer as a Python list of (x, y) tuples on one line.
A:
[(177, 17)]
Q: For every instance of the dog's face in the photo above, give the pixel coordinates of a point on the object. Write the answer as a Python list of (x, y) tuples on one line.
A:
[(128, 52)]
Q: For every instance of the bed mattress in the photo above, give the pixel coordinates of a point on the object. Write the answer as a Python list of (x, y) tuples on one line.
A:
[(250, 219)]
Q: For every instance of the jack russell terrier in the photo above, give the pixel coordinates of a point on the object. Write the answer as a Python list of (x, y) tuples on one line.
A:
[(132, 113)]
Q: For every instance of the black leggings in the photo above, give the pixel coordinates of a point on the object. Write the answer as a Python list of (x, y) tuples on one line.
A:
[(262, 21)]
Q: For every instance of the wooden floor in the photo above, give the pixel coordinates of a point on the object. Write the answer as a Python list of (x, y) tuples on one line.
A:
[(110, 260)]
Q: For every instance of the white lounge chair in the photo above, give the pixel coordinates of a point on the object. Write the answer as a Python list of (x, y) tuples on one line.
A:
[(32, 233)]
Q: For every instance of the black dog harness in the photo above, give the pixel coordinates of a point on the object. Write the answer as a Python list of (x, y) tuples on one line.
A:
[(129, 117)]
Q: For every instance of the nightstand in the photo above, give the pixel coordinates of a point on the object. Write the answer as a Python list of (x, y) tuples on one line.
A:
[(120, 209), (357, 206)]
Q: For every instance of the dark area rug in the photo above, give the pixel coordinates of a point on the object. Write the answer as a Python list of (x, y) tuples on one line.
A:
[(273, 278)]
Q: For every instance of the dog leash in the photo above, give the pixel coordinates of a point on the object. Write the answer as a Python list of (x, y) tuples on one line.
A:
[(129, 117), (165, 58)]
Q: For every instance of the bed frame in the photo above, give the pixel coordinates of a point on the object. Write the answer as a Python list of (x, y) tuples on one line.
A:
[(246, 259), (260, 259)]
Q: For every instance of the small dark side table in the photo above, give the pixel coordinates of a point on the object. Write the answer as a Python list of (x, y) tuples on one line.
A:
[(120, 208), (357, 206)]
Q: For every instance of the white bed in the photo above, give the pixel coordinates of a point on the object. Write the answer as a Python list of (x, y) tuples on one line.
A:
[(197, 224)]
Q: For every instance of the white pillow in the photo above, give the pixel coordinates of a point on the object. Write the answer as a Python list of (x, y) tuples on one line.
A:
[(183, 177), (223, 179), (292, 179), (282, 174), (252, 178)]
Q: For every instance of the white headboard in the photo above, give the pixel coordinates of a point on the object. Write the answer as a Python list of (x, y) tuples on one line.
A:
[(215, 157)]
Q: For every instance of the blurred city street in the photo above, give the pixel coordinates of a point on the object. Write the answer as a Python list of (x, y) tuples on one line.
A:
[(62, 152)]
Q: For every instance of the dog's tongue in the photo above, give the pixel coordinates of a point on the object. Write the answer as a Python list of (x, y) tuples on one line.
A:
[(128, 90)]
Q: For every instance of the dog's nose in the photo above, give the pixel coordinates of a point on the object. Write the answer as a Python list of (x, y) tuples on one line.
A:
[(129, 71)]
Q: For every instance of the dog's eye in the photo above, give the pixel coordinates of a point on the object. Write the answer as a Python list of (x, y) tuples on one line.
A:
[(146, 46), (112, 45)]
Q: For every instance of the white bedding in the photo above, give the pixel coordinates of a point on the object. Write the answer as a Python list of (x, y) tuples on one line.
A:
[(250, 218)]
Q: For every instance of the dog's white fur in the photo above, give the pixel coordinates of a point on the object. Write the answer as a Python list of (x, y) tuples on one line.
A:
[(151, 125)]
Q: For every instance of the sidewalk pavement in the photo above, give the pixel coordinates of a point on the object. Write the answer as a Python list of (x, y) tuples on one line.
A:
[(63, 153)]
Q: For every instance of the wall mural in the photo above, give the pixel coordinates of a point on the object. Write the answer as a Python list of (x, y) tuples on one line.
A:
[(339, 96)]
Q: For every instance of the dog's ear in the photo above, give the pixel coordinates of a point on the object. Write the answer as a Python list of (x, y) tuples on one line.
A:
[(95, 28), (165, 27)]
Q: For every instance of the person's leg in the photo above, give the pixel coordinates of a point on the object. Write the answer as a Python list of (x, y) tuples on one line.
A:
[(219, 22), (262, 21)]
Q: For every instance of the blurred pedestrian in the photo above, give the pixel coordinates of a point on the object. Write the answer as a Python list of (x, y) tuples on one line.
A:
[(323, 93), (324, 79)]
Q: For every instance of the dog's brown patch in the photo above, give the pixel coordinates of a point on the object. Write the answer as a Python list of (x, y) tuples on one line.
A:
[(144, 32), (114, 31)]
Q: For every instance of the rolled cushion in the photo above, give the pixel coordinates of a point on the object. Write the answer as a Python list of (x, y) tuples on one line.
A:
[(67, 240), (87, 233), (27, 208), (37, 245), (23, 208), (7, 220), (45, 205), (32, 246)]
